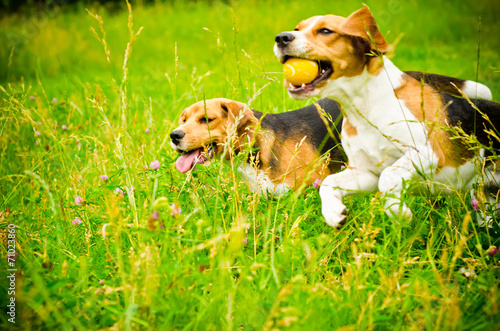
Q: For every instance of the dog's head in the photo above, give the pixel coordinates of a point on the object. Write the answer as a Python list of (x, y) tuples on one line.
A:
[(342, 47), (204, 128)]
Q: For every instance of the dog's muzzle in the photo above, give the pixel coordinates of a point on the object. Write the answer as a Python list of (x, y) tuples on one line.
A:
[(283, 39)]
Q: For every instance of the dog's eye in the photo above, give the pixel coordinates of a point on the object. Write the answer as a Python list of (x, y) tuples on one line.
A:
[(204, 120), (325, 31)]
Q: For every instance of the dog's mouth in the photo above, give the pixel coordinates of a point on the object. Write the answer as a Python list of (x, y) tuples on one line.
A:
[(324, 72), (189, 159)]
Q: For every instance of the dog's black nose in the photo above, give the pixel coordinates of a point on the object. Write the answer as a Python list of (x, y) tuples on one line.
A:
[(283, 39), (176, 135)]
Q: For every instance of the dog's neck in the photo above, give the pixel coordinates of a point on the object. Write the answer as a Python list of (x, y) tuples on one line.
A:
[(257, 143), (357, 95), (252, 139)]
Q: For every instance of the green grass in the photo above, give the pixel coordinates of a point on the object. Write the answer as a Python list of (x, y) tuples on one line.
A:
[(231, 259)]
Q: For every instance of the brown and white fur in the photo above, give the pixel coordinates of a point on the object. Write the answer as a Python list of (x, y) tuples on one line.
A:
[(395, 127)]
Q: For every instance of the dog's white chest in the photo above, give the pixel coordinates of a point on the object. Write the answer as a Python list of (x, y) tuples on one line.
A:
[(370, 151), (382, 128), (378, 142)]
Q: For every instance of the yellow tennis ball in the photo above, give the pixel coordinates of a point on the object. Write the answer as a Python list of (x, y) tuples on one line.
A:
[(300, 71)]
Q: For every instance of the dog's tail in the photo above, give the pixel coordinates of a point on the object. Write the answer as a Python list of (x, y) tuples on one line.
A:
[(476, 90), (443, 83)]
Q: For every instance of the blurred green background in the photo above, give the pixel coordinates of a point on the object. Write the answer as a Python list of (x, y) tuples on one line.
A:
[(54, 43)]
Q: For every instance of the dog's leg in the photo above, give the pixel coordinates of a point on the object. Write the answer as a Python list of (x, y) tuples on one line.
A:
[(336, 186), (393, 177)]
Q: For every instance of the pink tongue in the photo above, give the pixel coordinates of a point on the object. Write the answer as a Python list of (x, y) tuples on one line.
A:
[(186, 161)]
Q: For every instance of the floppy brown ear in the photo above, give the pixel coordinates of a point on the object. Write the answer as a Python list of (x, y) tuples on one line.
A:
[(362, 24), (247, 121), (235, 110)]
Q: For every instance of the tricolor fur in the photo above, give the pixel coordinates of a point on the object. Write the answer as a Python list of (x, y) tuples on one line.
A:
[(396, 128), (288, 146)]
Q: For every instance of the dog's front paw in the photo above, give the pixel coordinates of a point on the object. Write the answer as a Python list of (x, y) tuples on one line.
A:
[(334, 211), (335, 216)]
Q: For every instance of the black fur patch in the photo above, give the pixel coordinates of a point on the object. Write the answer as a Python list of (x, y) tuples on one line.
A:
[(439, 82), (307, 122), (461, 113)]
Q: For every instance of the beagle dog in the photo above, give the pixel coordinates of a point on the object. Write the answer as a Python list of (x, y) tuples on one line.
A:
[(294, 148), (289, 147), (396, 128)]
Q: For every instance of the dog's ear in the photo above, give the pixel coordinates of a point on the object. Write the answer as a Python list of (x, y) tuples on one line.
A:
[(235, 110), (361, 24), (247, 121)]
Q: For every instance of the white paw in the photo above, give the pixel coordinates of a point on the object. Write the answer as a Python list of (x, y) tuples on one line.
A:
[(334, 211), (334, 216)]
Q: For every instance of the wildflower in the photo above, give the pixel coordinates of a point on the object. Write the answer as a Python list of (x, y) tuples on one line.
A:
[(176, 210), (317, 183), (76, 221), (64, 127), (155, 215), (32, 97), (54, 100), (342, 167), (37, 133), (78, 144), (155, 165), (147, 130), (39, 123), (492, 251), (119, 191), (475, 204), (103, 178), (245, 240), (79, 200), (101, 281)]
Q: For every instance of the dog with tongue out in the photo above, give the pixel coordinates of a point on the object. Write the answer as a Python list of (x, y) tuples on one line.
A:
[(288, 150), (204, 129)]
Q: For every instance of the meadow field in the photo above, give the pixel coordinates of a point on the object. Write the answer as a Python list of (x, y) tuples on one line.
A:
[(100, 231)]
